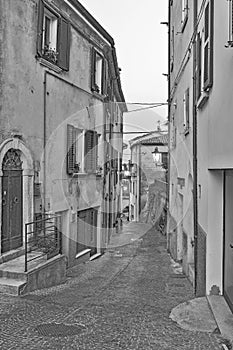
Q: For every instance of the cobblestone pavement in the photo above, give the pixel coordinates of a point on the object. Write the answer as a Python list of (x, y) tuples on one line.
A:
[(120, 301)]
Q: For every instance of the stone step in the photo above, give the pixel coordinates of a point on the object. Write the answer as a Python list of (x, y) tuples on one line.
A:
[(15, 268), (11, 286), (13, 254), (15, 275)]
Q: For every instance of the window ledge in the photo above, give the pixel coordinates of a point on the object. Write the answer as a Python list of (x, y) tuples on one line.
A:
[(98, 95), (49, 65), (79, 174), (202, 100)]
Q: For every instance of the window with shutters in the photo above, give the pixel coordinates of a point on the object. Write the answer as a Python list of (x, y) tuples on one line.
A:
[(198, 70), (172, 49), (82, 150), (184, 16), (230, 34), (98, 73), (204, 56), (186, 111), (173, 132), (208, 46), (53, 37)]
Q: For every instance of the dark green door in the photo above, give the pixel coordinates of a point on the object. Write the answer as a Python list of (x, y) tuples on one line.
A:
[(87, 231), (12, 233)]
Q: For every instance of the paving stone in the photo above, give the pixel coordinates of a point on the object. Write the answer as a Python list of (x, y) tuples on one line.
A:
[(121, 302)]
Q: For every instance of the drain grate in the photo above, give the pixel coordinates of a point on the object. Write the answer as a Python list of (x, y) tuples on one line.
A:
[(59, 329)]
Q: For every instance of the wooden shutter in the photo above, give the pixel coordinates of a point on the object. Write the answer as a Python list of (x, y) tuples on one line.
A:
[(96, 140), (104, 76), (172, 43), (40, 27), (71, 149), (208, 45), (198, 66), (88, 151), (63, 44), (186, 109), (93, 69), (230, 41)]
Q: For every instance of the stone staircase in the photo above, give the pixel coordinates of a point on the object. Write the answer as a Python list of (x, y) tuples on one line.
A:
[(41, 272)]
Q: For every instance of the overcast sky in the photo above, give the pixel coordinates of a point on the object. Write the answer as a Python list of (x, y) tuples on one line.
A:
[(141, 45)]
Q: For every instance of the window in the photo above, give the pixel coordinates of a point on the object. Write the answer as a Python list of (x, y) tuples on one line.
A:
[(208, 47), (230, 37), (186, 111), (173, 133), (198, 66), (184, 16), (53, 37), (98, 73), (172, 49), (204, 56), (82, 150)]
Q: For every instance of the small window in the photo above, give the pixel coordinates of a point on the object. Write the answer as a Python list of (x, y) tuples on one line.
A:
[(82, 150), (184, 16), (186, 111), (53, 42), (98, 73)]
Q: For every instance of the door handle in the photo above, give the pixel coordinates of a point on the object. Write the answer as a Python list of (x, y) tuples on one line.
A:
[(231, 246)]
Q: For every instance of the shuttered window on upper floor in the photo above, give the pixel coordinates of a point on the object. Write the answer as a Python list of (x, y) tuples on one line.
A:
[(208, 45), (53, 37), (184, 16), (186, 111), (98, 72), (82, 150), (230, 34), (198, 70)]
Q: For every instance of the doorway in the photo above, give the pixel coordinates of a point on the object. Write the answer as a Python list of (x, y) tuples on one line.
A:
[(12, 201), (228, 238), (87, 230)]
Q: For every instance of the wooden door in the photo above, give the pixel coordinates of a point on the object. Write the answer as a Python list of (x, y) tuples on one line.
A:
[(87, 231), (12, 232), (228, 239)]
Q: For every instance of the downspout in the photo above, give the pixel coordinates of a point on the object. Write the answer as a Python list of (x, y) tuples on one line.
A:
[(44, 141), (195, 204), (169, 128)]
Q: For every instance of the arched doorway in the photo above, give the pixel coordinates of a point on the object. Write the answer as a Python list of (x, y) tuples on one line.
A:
[(12, 201)]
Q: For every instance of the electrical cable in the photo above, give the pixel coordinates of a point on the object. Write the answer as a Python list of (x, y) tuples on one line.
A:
[(144, 108)]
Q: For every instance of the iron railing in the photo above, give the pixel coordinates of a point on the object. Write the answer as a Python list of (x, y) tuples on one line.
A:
[(42, 238)]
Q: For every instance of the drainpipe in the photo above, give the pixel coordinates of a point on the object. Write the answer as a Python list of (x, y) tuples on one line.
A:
[(195, 204), (169, 119), (44, 139)]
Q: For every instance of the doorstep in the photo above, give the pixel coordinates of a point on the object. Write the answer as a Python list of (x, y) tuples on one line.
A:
[(222, 315)]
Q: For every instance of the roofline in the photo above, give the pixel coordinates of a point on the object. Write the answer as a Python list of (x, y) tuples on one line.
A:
[(86, 14), (98, 27)]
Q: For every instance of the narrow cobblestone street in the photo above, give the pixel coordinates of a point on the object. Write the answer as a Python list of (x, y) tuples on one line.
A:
[(120, 301)]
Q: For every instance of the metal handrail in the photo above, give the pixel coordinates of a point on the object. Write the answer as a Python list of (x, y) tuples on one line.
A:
[(39, 235)]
